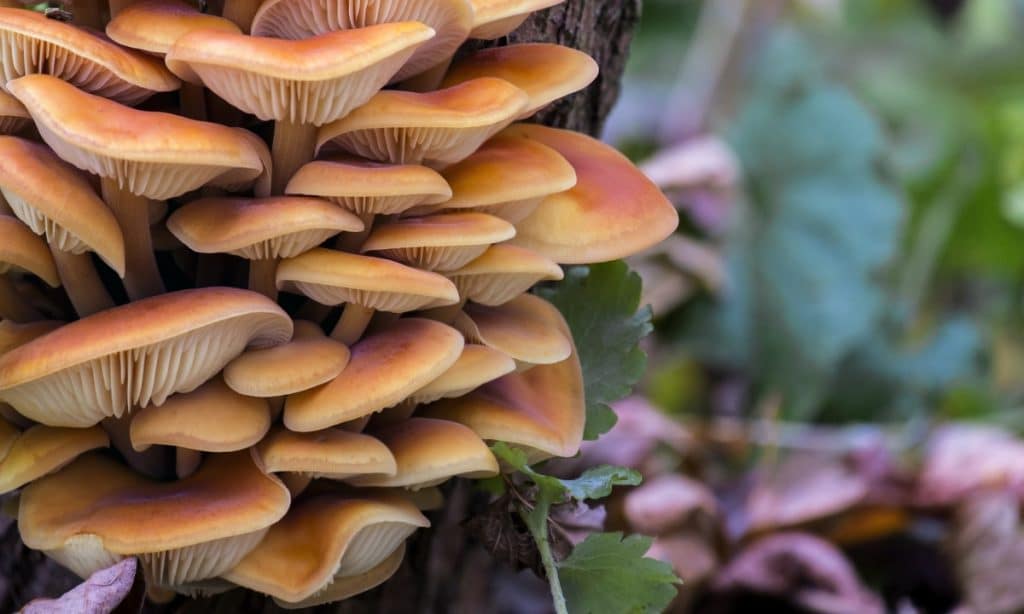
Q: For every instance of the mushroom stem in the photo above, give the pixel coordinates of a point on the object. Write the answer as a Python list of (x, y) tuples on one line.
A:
[(313, 311), (276, 407), (430, 79), (81, 282), (295, 482), (186, 462), (142, 277), (193, 100), (13, 305), (116, 6), (153, 462), (357, 425), (262, 277), (446, 314), (354, 320), (353, 241), (241, 12), (294, 145)]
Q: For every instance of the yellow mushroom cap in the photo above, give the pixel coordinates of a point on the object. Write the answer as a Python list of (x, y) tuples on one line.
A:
[(323, 538), (331, 277), (502, 273), (34, 44), (303, 363), (436, 128), (13, 115), (332, 453), (386, 367), (495, 18), (429, 452), (546, 72), (22, 250), (344, 587), (211, 418), (154, 25), (613, 212), (541, 410), (521, 328), (477, 365), (507, 177), (364, 187), (152, 154), (54, 199), (40, 450), (295, 19), (94, 511), (309, 81), (260, 228), (136, 354), (441, 242)]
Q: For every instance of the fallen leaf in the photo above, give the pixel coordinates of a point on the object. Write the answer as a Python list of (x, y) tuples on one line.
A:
[(668, 503), (963, 459), (108, 590)]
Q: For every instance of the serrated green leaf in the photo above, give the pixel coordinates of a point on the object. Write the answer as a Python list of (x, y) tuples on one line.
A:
[(606, 574), (597, 482), (601, 304)]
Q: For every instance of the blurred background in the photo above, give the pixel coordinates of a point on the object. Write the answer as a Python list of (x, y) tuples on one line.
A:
[(831, 417)]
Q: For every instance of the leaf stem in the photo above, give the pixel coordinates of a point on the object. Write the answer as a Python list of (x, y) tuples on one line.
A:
[(536, 521)]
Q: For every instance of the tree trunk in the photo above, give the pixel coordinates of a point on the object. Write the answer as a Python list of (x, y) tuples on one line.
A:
[(444, 569)]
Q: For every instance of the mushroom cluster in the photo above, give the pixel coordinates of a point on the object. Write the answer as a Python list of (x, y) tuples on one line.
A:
[(158, 403)]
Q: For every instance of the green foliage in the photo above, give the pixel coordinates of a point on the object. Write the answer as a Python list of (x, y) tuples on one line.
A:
[(601, 304)]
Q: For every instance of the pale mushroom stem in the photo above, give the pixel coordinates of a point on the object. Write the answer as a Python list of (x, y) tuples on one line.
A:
[(142, 277), (294, 145), (193, 100), (81, 282), (13, 306), (295, 482), (186, 462), (353, 241), (430, 79), (446, 314), (88, 15), (154, 462), (354, 320), (357, 425), (262, 277), (241, 12)]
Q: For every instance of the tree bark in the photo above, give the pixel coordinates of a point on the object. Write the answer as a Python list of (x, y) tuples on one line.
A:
[(444, 570)]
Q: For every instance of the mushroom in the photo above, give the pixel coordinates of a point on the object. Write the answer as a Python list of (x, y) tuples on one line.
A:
[(344, 587), (56, 201), (521, 328), (33, 44), (545, 72), (496, 18), (428, 452), (386, 367), (96, 511), (260, 230), (136, 354), (367, 284), (299, 84), (442, 242), (613, 211), (13, 116), (332, 453), (436, 129), (211, 418), (139, 156), (323, 540), (22, 250), (502, 273), (40, 450)]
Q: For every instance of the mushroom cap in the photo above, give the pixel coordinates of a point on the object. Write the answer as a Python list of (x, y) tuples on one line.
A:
[(331, 277), (309, 81), (40, 450), (154, 25), (192, 529), (294, 19), (546, 72), (541, 410), (13, 334), (343, 587), (35, 44), (502, 273), (136, 354), (211, 418), (429, 452), (508, 177), (386, 367), (303, 363), (55, 200), (152, 154), (436, 128), (8, 435), (520, 328), (495, 18), (13, 115), (613, 212), (22, 250), (259, 228), (364, 187), (326, 537), (331, 453), (441, 242), (477, 365)]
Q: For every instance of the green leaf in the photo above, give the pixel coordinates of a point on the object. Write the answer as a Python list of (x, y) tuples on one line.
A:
[(597, 482), (607, 574), (601, 304)]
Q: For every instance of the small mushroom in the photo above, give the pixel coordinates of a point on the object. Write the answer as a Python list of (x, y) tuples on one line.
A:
[(13, 116), (343, 587), (496, 18), (332, 453), (441, 242), (40, 450), (22, 250), (521, 328), (502, 273)]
